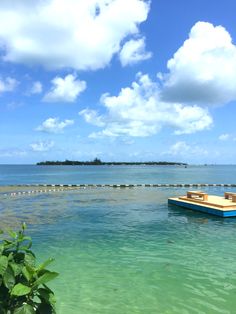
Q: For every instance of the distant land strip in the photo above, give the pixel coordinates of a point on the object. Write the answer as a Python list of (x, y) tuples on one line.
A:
[(98, 162)]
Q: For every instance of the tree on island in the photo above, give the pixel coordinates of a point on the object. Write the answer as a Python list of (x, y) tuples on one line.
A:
[(97, 161)]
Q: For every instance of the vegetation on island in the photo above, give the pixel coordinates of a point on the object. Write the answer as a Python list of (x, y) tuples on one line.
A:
[(98, 162), (23, 288)]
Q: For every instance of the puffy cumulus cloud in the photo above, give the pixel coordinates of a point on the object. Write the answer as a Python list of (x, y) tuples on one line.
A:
[(190, 119), (133, 52), (203, 70), (68, 33), (65, 90), (8, 84), (42, 146), (181, 148), (36, 88), (138, 111), (54, 125)]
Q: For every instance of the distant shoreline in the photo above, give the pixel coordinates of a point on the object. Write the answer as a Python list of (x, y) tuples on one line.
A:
[(98, 162)]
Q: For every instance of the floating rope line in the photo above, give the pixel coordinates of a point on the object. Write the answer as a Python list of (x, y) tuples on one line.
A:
[(122, 185), (50, 188)]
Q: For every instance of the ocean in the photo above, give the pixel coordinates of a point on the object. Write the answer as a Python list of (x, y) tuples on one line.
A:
[(30, 174), (125, 250)]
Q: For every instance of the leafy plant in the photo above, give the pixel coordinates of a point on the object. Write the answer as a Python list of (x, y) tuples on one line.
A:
[(23, 288)]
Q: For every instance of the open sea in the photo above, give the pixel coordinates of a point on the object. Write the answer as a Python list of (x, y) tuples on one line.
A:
[(124, 250)]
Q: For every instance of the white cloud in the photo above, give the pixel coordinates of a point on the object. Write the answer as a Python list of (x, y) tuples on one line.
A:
[(54, 125), (8, 85), (42, 146), (227, 137), (138, 111), (37, 88), (127, 141), (181, 149), (224, 137), (65, 90), (203, 70), (68, 33), (92, 117), (133, 52), (12, 152)]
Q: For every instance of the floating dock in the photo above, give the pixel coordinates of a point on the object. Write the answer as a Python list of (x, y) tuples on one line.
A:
[(211, 204)]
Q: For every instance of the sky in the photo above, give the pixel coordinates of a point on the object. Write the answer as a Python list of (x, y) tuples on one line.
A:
[(120, 80)]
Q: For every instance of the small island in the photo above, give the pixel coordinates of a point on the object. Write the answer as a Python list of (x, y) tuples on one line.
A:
[(98, 162)]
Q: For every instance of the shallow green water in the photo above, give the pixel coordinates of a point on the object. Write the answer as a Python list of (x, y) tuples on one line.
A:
[(126, 251)]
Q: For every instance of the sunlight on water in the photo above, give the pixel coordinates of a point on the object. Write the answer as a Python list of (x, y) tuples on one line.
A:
[(126, 251)]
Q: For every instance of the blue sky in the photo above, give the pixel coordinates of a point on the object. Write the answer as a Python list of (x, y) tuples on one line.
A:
[(118, 80)]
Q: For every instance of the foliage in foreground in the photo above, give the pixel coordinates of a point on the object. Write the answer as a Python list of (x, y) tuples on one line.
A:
[(23, 288)]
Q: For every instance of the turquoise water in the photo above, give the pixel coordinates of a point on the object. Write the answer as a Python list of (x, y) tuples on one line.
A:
[(125, 250), (30, 174)]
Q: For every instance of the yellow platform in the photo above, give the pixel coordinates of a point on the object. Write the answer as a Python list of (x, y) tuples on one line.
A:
[(211, 204)]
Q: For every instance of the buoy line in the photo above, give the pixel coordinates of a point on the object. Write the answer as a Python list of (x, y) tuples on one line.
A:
[(124, 185), (50, 188)]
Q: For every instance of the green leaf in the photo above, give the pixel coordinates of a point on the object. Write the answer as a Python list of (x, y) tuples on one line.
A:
[(1, 231), (6, 241), (20, 236), (10, 257), (3, 264), (25, 247), (30, 259), (31, 252), (23, 238), (31, 269), (20, 289), (45, 308), (47, 295), (26, 238), (44, 294), (45, 264), (8, 246), (19, 257), (12, 234), (24, 309), (27, 273), (9, 278), (17, 268), (1, 248), (20, 280), (47, 276)]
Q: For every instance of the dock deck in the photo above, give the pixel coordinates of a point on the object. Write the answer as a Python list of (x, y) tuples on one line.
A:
[(215, 205)]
